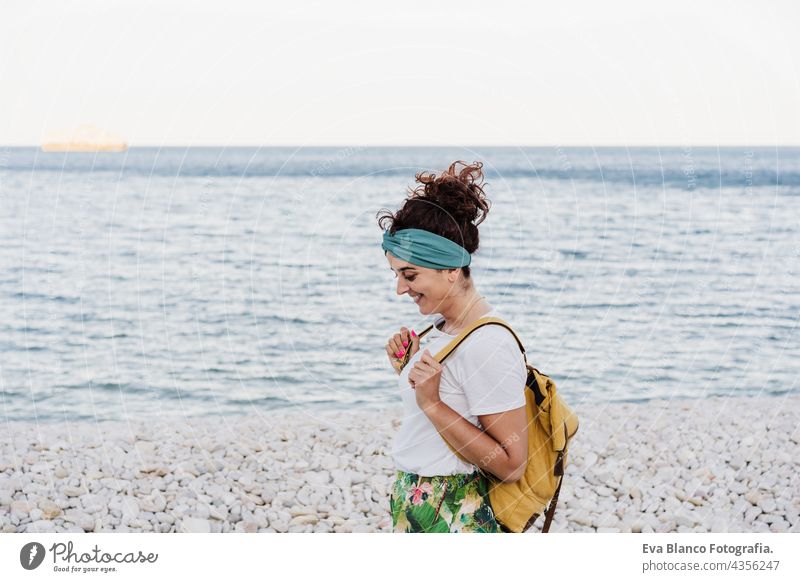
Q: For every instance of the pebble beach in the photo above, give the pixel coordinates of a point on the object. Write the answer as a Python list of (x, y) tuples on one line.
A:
[(704, 465)]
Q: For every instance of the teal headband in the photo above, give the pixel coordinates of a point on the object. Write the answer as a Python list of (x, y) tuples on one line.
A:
[(426, 249)]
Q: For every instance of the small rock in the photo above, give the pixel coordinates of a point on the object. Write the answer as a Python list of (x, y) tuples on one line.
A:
[(162, 517), (49, 509), (357, 477), (195, 525), (751, 514), (304, 519), (330, 462), (220, 513), (582, 518), (767, 505), (779, 526), (318, 477), (73, 491), (81, 519), (341, 478), (604, 491), (685, 519), (20, 508), (754, 497), (606, 520), (130, 507), (737, 462), (154, 503)]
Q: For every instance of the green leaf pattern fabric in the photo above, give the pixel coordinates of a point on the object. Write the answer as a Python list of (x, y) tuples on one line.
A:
[(441, 504)]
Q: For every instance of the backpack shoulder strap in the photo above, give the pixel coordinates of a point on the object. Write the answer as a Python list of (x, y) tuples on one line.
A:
[(449, 348), (424, 331)]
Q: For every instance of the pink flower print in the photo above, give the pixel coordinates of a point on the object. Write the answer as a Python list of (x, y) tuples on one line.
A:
[(417, 492)]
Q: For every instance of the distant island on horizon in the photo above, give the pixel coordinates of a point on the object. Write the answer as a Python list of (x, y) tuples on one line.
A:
[(86, 138)]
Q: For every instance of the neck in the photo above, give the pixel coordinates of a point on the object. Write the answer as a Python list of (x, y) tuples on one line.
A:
[(463, 311)]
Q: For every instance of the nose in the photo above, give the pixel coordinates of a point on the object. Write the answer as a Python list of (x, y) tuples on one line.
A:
[(401, 286)]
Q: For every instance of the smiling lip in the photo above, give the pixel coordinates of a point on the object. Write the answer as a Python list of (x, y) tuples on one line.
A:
[(417, 298)]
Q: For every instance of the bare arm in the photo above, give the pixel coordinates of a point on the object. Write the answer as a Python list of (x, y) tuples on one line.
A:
[(501, 450)]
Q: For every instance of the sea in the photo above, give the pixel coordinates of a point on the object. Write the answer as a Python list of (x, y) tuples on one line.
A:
[(225, 281)]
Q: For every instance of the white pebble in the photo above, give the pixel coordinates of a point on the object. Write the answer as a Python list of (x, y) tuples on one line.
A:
[(194, 525)]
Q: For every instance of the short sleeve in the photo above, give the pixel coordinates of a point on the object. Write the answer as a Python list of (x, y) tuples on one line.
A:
[(492, 371)]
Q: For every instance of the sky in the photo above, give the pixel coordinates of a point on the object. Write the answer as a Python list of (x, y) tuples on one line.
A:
[(402, 73)]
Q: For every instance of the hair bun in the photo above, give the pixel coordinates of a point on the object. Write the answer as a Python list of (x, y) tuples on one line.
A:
[(457, 191)]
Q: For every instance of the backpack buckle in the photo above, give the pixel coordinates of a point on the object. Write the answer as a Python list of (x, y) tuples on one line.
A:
[(558, 470)]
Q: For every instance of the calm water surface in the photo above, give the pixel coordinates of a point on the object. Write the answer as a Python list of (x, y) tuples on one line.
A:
[(210, 281)]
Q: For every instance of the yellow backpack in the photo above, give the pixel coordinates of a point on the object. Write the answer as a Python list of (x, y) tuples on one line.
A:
[(551, 424)]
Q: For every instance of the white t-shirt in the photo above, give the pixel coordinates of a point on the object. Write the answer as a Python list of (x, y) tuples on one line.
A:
[(484, 375)]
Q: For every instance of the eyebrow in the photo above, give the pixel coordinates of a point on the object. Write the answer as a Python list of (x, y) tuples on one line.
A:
[(403, 269)]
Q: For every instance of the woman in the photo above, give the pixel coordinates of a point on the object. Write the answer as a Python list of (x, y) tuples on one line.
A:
[(475, 400)]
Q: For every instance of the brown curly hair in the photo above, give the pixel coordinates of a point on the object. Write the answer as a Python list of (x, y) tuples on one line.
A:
[(451, 205)]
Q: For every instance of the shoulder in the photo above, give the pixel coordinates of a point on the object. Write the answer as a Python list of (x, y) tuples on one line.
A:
[(489, 339), (495, 332), (491, 369)]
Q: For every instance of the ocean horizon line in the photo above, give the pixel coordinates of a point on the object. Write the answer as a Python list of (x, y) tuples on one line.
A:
[(430, 146)]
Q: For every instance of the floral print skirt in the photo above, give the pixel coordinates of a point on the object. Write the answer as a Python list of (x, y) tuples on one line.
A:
[(441, 504)]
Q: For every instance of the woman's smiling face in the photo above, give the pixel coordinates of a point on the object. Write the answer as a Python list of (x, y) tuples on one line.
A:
[(427, 287)]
